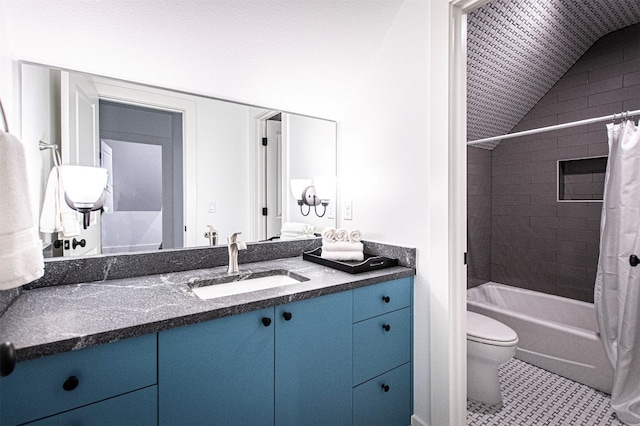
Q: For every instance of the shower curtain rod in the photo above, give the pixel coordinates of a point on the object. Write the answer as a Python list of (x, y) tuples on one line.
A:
[(557, 127)]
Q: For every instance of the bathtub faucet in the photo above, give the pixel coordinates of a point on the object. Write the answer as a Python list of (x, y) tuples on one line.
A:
[(233, 247)]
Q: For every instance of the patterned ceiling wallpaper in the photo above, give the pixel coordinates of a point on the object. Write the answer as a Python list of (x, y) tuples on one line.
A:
[(518, 49)]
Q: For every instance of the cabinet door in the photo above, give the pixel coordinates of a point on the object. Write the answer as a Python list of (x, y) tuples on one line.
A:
[(218, 372), (313, 361), (134, 408)]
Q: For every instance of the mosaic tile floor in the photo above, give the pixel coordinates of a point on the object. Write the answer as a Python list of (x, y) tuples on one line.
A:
[(533, 396)]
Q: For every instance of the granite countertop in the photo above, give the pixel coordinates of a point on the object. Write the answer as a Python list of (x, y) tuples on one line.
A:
[(51, 319)]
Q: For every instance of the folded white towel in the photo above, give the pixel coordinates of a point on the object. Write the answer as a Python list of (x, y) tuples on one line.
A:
[(341, 246), (21, 259), (342, 235), (343, 255), (355, 236), (295, 237), (329, 234)]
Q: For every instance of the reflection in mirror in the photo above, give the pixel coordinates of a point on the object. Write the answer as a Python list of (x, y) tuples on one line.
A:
[(181, 166)]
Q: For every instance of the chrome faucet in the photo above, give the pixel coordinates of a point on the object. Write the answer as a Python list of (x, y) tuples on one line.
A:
[(233, 247)]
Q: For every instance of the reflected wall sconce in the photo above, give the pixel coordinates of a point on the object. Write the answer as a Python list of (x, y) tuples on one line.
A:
[(84, 189), (312, 193)]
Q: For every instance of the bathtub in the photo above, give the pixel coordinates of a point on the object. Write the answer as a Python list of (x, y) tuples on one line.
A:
[(556, 333)]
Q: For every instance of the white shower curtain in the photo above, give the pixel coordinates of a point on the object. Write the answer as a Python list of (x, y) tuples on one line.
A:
[(617, 287)]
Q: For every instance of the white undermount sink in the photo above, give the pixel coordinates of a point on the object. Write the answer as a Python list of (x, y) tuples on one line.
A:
[(211, 288)]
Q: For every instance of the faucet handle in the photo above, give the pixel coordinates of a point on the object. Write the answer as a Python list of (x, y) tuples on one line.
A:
[(232, 239)]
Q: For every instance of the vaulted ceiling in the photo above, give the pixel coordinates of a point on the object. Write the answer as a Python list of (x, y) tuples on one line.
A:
[(518, 49)]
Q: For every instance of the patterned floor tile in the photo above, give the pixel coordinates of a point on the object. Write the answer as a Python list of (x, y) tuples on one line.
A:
[(533, 396)]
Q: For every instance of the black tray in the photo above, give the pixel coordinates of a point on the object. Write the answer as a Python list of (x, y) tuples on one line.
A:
[(370, 262)]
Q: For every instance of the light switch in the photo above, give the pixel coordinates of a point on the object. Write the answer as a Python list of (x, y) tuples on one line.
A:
[(331, 210), (212, 206)]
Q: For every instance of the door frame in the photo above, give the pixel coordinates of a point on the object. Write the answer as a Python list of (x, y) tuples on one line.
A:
[(257, 161), (149, 97), (458, 10)]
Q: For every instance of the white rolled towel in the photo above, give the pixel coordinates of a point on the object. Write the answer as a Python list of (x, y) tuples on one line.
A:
[(342, 246), (357, 256), (342, 235), (329, 234), (355, 236)]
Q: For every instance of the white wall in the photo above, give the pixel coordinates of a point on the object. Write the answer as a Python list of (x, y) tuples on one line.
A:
[(385, 166), (378, 67)]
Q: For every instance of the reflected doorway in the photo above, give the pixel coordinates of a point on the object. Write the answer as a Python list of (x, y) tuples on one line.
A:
[(142, 148)]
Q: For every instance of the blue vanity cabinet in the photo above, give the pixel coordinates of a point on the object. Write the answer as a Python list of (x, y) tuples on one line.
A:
[(284, 365), (313, 361), (218, 372), (85, 381), (382, 353)]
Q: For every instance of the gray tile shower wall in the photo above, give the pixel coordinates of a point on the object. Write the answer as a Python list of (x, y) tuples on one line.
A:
[(537, 242), (478, 216)]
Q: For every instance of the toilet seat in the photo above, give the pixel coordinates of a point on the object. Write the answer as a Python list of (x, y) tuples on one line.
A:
[(486, 330)]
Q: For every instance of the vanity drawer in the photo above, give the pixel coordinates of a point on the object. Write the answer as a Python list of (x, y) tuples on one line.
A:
[(138, 408), (56, 383), (381, 298), (381, 344), (384, 400)]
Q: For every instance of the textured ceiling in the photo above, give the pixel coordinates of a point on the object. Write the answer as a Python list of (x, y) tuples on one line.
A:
[(518, 49)]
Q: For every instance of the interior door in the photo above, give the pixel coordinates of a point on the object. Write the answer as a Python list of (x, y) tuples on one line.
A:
[(273, 179), (79, 146)]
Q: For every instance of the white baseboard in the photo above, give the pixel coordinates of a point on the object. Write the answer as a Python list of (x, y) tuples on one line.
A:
[(416, 421)]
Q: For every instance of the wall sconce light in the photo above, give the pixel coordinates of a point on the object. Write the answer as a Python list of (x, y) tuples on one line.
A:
[(319, 191), (84, 189)]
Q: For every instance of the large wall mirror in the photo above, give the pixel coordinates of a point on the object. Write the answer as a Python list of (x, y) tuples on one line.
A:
[(180, 164)]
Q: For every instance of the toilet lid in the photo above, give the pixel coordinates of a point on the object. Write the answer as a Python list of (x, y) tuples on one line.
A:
[(484, 329)]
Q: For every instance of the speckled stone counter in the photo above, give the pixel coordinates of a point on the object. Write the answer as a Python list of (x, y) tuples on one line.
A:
[(49, 318)]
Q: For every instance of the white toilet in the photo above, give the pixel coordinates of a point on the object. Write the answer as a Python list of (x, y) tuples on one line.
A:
[(490, 344)]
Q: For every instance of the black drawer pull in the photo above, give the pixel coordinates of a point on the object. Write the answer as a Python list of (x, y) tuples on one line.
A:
[(633, 260), (386, 299), (386, 327), (71, 383), (385, 387), (266, 321), (7, 358), (286, 316)]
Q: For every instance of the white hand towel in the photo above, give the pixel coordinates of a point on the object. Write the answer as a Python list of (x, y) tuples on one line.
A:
[(357, 256), (21, 258), (355, 236), (329, 234), (342, 235), (342, 246), (56, 214)]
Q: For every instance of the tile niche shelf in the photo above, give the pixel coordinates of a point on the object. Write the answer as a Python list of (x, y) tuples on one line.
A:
[(581, 179)]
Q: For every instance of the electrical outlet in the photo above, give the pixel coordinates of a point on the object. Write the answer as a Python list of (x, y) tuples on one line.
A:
[(347, 210)]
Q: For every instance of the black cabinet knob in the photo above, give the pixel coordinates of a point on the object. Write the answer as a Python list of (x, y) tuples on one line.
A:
[(633, 260), (7, 358), (386, 299), (80, 243), (71, 383), (386, 327), (266, 321), (286, 316), (385, 388)]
